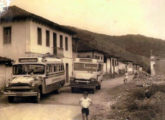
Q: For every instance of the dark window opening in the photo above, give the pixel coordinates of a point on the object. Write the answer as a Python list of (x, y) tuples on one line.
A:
[(7, 35), (61, 41), (47, 38), (39, 32), (66, 43)]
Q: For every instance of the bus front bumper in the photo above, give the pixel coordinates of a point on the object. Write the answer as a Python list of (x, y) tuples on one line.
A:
[(20, 94), (79, 85)]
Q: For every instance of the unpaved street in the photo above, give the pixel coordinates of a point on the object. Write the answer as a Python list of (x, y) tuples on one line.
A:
[(62, 106)]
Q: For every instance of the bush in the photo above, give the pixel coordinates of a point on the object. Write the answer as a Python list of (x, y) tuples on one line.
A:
[(157, 88), (139, 103), (132, 106), (138, 93), (140, 115)]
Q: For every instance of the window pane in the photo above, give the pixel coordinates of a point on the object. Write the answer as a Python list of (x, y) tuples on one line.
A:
[(85, 67), (24, 69), (66, 43), (47, 38), (39, 36), (61, 41), (7, 35)]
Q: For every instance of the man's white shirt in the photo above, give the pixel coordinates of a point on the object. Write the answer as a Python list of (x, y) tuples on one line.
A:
[(85, 103)]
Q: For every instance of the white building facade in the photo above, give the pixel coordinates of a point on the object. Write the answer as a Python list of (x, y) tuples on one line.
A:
[(32, 35)]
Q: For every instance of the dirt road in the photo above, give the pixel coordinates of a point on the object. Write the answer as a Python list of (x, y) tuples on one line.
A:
[(62, 106)]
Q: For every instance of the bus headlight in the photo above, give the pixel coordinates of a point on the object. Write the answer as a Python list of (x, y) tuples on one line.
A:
[(92, 79), (7, 84), (32, 84)]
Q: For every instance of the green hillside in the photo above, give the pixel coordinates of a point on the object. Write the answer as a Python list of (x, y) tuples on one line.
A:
[(136, 48)]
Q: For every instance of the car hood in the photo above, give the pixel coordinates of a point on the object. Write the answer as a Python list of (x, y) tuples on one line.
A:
[(22, 80)]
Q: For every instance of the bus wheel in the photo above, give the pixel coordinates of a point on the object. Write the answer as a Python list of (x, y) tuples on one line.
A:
[(73, 90), (98, 87), (93, 90), (57, 91), (38, 97), (10, 99)]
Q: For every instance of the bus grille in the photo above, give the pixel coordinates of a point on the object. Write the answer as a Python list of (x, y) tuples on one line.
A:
[(19, 84)]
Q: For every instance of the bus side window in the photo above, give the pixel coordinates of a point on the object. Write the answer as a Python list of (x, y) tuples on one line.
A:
[(59, 67), (55, 70), (47, 69), (50, 68), (62, 67), (99, 67)]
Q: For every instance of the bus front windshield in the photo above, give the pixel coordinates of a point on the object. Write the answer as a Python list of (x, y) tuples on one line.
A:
[(85, 67), (24, 69)]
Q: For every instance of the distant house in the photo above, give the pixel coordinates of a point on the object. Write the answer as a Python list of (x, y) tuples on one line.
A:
[(130, 67), (92, 54), (25, 34), (122, 67), (110, 63)]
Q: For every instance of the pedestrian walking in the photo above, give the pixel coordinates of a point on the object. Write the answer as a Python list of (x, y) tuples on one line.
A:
[(126, 78), (85, 103)]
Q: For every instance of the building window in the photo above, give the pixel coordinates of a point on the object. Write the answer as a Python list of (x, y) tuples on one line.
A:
[(54, 43), (61, 41), (39, 32), (66, 43), (7, 35), (47, 38)]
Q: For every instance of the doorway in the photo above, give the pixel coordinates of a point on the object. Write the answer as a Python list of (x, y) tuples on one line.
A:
[(67, 72)]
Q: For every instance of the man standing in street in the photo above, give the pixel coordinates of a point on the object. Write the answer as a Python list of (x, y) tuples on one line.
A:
[(126, 78), (85, 102)]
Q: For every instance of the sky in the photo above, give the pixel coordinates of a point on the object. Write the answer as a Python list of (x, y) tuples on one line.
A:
[(112, 17)]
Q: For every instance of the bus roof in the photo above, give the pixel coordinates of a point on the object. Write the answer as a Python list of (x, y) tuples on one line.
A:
[(38, 60)]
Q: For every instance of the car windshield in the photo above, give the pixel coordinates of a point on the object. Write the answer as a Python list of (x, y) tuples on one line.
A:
[(85, 67), (24, 69)]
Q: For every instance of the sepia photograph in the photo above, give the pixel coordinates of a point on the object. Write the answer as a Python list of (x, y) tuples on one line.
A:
[(82, 60)]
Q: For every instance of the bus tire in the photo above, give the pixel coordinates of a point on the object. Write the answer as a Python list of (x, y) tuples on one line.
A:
[(98, 87), (38, 97), (57, 91), (10, 99), (73, 90), (93, 90)]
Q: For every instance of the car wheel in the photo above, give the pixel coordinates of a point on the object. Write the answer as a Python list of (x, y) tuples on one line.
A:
[(73, 90), (98, 87), (57, 91), (10, 99), (38, 97), (93, 90)]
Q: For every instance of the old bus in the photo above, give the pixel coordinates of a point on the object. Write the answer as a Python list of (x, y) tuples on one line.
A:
[(34, 77), (88, 73)]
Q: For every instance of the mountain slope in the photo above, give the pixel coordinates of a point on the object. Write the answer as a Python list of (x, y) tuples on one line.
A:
[(136, 48)]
